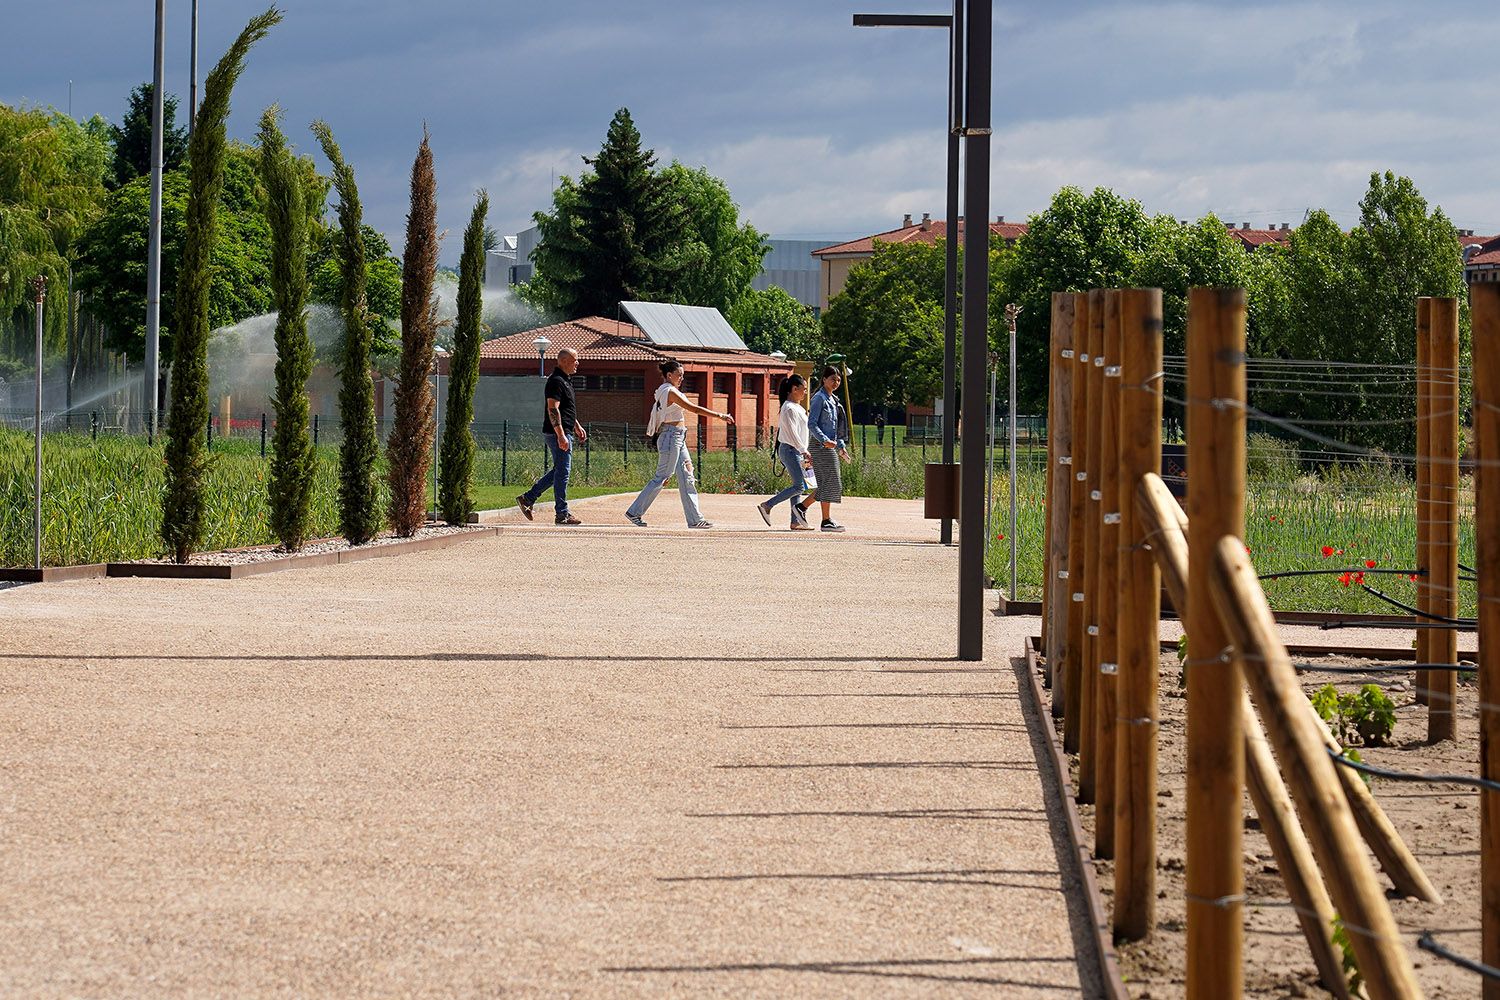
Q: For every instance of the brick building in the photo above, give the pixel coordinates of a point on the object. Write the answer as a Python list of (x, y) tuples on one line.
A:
[(618, 374)]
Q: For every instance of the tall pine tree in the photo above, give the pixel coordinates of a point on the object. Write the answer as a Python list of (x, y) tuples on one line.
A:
[(409, 452), (132, 137), (359, 489), (457, 467), (293, 459), (186, 452), (612, 235)]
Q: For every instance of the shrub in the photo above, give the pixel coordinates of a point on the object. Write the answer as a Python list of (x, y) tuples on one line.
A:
[(457, 472), (1271, 458), (1366, 717)]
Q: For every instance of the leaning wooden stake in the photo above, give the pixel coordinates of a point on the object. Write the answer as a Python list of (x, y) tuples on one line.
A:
[(1088, 756), (1215, 740), (1485, 303), (1442, 504), (1164, 521), (1423, 477), (1060, 491), (1106, 693), (1310, 774), (1136, 642), (1077, 505)]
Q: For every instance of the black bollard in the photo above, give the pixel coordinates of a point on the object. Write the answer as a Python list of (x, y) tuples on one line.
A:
[(262, 435), (315, 430)]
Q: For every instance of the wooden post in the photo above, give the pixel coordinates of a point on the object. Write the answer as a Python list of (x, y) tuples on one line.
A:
[(1060, 482), (1442, 502), (1088, 756), (1424, 476), (1294, 856), (1215, 740), (1485, 303), (1166, 523), (1077, 505), (1136, 642), (1309, 771), (1106, 691)]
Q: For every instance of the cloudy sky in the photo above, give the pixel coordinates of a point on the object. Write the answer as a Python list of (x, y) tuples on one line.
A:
[(1253, 111)]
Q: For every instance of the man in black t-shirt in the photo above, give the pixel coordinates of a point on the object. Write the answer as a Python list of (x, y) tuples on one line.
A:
[(561, 427)]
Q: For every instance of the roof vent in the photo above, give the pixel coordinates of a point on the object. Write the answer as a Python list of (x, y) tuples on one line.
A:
[(1000, 220), (906, 221), (1244, 225), (926, 221), (1285, 226)]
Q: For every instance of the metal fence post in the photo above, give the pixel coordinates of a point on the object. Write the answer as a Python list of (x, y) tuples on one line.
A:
[(504, 449), (864, 441), (262, 435), (700, 449), (315, 430), (210, 432), (734, 443), (94, 425), (588, 450), (626, 441)]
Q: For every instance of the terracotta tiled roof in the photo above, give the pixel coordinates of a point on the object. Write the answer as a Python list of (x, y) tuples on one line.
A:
[(598, 339), (1476, 241), (1488, 258), (1253, 238), (929, 232)]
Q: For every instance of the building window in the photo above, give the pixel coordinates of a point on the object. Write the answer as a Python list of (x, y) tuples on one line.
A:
[(721, 385), (690, 382)]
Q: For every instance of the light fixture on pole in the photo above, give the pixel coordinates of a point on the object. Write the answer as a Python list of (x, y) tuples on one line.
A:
[(541, 343), (954, 24)]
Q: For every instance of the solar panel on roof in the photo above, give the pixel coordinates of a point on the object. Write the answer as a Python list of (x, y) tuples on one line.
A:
[(668, 325)]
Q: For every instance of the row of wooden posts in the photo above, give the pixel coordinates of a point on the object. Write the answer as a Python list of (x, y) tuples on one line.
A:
[(1116, 536)]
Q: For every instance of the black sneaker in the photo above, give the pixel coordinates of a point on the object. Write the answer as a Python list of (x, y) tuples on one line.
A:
[(525, 506), (832, 526), (570, 519), (635, 519)]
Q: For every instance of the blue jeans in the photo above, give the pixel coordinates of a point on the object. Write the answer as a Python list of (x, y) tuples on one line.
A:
[(791, 460), (671, 457), (556, 478)]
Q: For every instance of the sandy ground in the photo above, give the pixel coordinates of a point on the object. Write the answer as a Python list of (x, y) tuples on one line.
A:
[(618, 763)]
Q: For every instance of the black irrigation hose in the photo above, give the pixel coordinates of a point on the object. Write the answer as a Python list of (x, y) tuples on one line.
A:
[(1424, 614), (1337, 572), (1431, 779), (1427, 943), (1468, 569), (1378, 668), (1354, 623)]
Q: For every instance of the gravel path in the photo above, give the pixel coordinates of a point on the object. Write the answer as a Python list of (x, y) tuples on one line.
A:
[(616, 764)]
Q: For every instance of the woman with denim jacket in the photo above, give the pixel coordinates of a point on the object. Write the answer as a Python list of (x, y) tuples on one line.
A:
[(825, 419)]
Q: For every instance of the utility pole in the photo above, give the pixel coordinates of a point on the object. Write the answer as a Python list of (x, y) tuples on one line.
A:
[(193, 70), (153, 253), (950, 263)]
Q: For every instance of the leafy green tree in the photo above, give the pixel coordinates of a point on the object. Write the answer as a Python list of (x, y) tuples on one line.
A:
[(612, 236), (132, 137), (771, 320), (294, 460), (51, 190), (112, 253), (183, 505), (717, 256), (382, 290), (409, 451), (457, 468), (888, 321), (359, 492)]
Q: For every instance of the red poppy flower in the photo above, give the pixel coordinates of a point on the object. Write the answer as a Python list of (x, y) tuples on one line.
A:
[(1359, 577), (1369, 564), (1414, 578), (1327, 551), (1000, 537), (1345, 579)]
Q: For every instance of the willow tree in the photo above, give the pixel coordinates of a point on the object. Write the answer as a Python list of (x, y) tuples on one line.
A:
[(293, 459), (409, 451), (184, 503), (359, 490), (457, 466)]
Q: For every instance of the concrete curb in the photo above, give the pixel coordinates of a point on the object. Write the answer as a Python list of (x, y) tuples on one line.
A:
[(172, 571), (1103, 935)]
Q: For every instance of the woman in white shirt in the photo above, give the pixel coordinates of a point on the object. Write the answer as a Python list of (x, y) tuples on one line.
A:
[(791, 448), (669, 415)]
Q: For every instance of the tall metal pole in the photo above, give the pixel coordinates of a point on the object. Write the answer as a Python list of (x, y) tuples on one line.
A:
[(1011, 312), (193, 81), (989, 472), (950, 262), (977, 26), (39, 285), (153, 253)]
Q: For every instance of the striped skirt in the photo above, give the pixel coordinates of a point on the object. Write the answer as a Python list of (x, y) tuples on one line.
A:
[(830, 476)]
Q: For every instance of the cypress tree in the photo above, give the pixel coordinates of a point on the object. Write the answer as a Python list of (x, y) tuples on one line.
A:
[(457, 468), (293, 460), (184, 502), (613, 235), (409, 451), (359, 490)]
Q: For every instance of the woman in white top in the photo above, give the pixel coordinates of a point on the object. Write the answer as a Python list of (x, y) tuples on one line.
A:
[(791, 448), (670, 418)]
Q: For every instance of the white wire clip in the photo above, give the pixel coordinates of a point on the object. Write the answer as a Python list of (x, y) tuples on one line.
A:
[(1077, 597), (1095, 495), (1062, 574), (1093, 630), (1109, 668), (1084, 358), (1112, 518), (1064, 459), (1080, 476), (1067, 352), (1112, 371), (1099, 361)]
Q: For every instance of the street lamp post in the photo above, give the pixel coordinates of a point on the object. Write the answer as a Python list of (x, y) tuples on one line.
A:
[(954, 24), (38, 285), (541, 343), (153, 252)]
